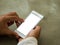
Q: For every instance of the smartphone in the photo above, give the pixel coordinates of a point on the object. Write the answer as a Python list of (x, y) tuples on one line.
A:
[(30, 22)]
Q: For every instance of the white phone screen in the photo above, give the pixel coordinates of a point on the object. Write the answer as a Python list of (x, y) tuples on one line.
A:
[(30, 22)]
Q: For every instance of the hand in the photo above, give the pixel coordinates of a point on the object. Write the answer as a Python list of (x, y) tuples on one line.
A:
[(7, 20), (34, 33)]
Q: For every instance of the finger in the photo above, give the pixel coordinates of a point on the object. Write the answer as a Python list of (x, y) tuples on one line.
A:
[(19, 22), (14, 14), (10, 23), (11, 14), (20, 39), (37, 28), (14, 18), (9, 18), (35, 33)]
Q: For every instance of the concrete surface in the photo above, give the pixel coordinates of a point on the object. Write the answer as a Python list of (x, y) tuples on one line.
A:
[(50, 34)]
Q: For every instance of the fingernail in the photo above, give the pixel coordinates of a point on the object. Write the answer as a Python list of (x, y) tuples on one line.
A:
[(19, 22), (17, 37)]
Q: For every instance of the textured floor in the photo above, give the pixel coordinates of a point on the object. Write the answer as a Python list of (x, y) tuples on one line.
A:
[(50, 34)]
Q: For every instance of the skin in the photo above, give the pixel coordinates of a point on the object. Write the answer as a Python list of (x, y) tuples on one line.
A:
[(33, 33), (8, 19)]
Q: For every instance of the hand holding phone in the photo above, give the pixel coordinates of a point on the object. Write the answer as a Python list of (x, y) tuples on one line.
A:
[(30, 22)]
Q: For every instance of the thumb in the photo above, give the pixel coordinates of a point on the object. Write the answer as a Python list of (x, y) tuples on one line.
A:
[(35, 32), (11, 33)]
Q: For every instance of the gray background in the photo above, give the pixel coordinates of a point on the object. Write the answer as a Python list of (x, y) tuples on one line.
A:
[(50, 34)]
